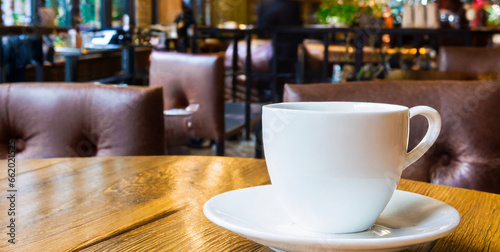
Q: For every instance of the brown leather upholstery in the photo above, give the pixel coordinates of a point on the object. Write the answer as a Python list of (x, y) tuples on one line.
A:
[(80, 120), (191, 79), (426, 75), (469, 59), (262, 53), (467, 152)]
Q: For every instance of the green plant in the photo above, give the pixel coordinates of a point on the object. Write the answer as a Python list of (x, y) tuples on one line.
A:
[(342, 11), (87, 11)]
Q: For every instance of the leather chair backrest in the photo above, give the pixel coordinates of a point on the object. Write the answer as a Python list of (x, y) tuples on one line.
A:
[(192, 79), (467, 152), (476, 60), (262, 54), (80, 120)]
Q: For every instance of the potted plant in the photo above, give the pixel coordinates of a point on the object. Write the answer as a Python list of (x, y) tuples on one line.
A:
[(343, 13)]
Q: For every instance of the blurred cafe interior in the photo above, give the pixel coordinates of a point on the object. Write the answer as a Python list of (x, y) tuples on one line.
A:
[(187, 79)]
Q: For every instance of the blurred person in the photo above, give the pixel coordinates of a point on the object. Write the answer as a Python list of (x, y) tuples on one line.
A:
[(275, 13), (457, 8), (183, 21), (281, 13)]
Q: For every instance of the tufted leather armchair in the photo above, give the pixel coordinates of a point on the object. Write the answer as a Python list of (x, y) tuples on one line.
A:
[(80, 120), (191, 79), (476, 60), (467, 152)]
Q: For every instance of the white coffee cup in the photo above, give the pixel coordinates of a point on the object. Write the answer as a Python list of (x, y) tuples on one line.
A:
[(335, 165)]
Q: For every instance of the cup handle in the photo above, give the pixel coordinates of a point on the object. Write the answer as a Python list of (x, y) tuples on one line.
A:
[(434, 121)]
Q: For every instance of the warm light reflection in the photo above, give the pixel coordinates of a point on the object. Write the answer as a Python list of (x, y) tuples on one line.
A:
[(380, 230), (201, 179), (496, 39), (154, 198), (392, 50), (386, 38)]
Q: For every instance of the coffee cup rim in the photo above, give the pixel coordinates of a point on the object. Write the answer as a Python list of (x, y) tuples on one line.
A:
[(361, 108)]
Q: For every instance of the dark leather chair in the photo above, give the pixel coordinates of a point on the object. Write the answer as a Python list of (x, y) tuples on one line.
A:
[(80, 120), (191, 79), (262, 54), (467, 152), (428, 75), (476, 60)]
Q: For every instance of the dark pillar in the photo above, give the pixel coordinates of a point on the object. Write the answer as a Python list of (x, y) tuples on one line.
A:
[(249, 80), (234, 67), (74, 15), (106, 13), (130, 11), (326, 54), (154, 18)]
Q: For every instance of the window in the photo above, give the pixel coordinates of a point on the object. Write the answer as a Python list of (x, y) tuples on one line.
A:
[(16, 12), (62, 10), (90, 13), (117, 11), (66, 13)]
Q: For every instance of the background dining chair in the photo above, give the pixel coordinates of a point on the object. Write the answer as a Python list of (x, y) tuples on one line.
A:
[(80, 120), (467, 152), (478, 60), (191, 79)]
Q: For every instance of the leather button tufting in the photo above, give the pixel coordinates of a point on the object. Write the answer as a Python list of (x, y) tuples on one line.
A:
[(20, 145)]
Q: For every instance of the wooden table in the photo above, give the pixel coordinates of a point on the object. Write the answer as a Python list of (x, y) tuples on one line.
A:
[(156, 203), (71, 56)]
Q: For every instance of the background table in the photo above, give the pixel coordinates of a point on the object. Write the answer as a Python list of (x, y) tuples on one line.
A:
[(156, 203), (128, 74)]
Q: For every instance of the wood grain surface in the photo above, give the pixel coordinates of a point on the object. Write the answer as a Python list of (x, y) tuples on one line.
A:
[(156, 204)]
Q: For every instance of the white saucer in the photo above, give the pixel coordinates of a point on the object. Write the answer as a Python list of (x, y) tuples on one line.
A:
[(409, 220), (177, 112)]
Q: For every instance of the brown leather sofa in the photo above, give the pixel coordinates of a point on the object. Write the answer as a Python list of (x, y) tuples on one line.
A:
[(467, 152), (476, 60), (262, 54), (427, 75), (191, 79), (80, 120)]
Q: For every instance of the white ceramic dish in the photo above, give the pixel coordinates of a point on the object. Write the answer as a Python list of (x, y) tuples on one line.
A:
[(177, 112), (189, 110), (409, 220)]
